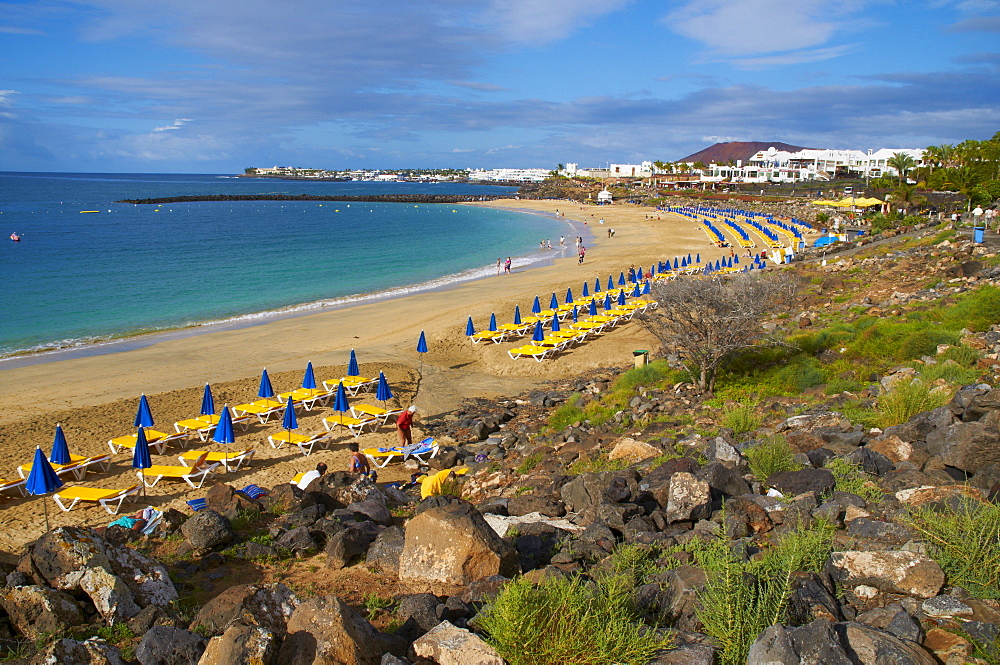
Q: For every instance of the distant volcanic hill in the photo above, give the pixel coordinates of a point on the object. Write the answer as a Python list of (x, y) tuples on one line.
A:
[(720, 153)]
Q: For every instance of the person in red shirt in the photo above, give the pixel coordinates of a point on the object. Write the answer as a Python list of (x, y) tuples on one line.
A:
[(403, 424)]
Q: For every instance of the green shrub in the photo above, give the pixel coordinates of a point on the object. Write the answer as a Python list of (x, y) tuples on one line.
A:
[(908, 398), (529, 463), (839, 385), (952, 372), (965, 541), (596, 464), (852, 478), (648, 375), (966, 356), (741, 418), (566, 414), (569, 621), (742, 598), (925, 343), (769, 457)]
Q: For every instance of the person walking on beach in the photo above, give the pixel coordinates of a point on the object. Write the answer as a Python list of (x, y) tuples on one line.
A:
[(609, 232), (403, 424), (583, 252), (506, 266), (499, 266)]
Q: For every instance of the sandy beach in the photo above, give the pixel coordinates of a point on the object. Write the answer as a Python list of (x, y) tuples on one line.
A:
[(95, 397)]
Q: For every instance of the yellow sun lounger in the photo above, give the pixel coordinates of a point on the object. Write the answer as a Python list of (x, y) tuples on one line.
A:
[(354, 425), (157, 441), (515, 329), (263, 409), (495, 336), (203, 426), (229, 461), (305, 442), (308, 397), (107, 498), (198, 471), (362, 411), (12, 484), (539, 353), (352, 384), (77, 469)]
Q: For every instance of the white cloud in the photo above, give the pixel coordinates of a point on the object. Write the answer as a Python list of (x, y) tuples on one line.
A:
[(795, 57), (531, 21), (751, 27), (178, 123)]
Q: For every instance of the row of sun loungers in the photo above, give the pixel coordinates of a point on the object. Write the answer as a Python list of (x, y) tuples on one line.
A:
[(576, 333)]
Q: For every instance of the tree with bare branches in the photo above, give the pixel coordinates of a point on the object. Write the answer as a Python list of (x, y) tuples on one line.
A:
[(706, 321)]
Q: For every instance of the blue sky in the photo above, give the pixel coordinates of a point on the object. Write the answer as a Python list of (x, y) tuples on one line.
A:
[(212, 86)]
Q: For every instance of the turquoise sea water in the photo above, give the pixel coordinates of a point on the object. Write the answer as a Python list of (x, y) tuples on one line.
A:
[(79, 279)]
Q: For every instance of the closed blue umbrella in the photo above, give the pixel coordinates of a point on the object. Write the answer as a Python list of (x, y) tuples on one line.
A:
[(736, 258), (340, 401), (555, 324), (383, 393), (539, 333), (554, 302), (42, 480), (207, 402), (143, 417), (697, 258), (569, 296), (611, 282), (517, 315), (60, 451), (493, 322), (636, 292), (224, 432), (593, 308), (140, 455), (645, 288), (675, 263), (470, 329), (586, 291), (309, 378), (689, 258), (607, 301), (576, 314), (685, 263), (265, 390), (597, 285), (621, 297), (421, 349), (290, 422), (352, 365), (536, 306), (621, 279)]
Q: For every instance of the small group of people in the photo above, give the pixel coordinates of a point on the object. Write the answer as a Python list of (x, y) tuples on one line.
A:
[(545, 243), (503, 267), (611, 233)]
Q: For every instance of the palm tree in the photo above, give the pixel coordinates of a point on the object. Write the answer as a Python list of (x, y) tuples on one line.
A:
[(964, 179), (906, 197), (902, 162)]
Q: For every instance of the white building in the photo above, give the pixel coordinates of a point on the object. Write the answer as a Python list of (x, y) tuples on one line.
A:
[(509, 175), (773, 165)]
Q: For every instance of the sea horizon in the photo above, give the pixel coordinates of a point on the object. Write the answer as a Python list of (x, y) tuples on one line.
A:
[(345, 251)]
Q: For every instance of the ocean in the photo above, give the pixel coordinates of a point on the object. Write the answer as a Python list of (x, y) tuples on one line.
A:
[(79, 279)]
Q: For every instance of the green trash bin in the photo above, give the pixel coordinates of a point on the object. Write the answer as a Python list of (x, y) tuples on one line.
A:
[(641, 357)]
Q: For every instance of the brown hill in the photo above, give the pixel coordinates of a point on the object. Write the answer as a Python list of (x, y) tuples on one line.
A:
[(720, 153)]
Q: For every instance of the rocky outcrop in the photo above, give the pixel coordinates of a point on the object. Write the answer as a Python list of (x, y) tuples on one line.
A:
[(453, 546)]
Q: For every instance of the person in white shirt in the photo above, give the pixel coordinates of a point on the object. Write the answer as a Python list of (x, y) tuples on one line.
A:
[(310, 476)]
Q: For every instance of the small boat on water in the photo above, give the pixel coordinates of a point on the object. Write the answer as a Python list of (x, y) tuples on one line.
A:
[(15, 237)]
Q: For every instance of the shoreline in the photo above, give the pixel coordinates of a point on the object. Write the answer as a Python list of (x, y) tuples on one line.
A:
[(94, 397), (131, 340)]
